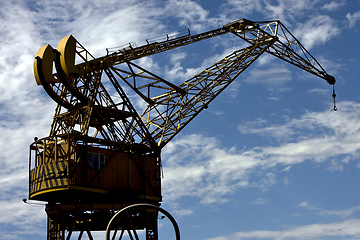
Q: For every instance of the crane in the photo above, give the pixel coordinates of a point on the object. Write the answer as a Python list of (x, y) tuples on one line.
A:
[(101, 162)]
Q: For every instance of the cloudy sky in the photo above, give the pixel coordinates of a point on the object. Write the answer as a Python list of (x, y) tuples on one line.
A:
[(269, 158)]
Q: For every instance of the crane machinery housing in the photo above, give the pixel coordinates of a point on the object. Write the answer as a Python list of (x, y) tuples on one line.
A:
[(100, 167)]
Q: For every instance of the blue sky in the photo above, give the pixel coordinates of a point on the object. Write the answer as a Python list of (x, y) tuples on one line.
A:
[(269, 158)]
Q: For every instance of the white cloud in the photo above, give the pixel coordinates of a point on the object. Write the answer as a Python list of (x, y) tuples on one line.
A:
[(286, 181), (260, 201), (353, 18), (316, 30), (209, 173), (348, 229), (332, 6), (191, 14), (309, 121), (343, 213), (176, 57), (272, 77), (265, 183), (286, 169), (214, 173), (241, 7), (283, 131), (22, 217), (176, 72), (335, 165), (182, 212), (265, 59), (285, 10)]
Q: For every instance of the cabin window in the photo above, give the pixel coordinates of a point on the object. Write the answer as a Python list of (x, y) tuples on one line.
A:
[(96, 161)]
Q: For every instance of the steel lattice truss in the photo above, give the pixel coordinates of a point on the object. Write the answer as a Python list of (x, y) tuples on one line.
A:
[(84, 101), (200, 91)]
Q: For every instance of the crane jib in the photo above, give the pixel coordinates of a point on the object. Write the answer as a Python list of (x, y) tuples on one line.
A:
[(76, 82)]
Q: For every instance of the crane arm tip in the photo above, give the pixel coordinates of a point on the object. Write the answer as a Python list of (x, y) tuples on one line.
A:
[(330, 79)]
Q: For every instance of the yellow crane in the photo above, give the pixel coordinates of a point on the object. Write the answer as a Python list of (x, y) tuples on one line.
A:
[(99, 169)]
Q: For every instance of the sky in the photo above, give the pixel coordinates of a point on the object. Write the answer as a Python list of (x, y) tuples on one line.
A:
[(269, 158)]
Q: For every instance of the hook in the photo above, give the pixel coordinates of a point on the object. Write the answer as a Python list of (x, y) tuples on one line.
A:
[(334, 95)]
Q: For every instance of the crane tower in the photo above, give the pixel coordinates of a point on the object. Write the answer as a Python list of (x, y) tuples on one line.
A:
[(100, 167)]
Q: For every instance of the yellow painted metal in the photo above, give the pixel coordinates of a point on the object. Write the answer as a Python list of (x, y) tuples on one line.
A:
[(70, 49), (67, 47), (61, 164), (47, 55), (49, 176), (35, 195), (200, 91), (128, 150)]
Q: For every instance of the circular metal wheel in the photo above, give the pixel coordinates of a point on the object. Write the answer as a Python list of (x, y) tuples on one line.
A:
[(138, 221)]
